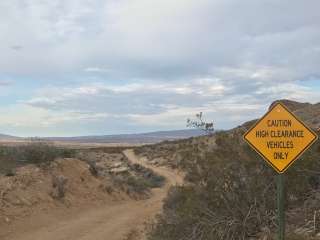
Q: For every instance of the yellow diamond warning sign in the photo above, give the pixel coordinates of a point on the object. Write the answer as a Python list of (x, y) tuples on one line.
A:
[(280, 137)]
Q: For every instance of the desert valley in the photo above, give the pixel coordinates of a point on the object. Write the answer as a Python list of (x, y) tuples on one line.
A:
[(199, 187)]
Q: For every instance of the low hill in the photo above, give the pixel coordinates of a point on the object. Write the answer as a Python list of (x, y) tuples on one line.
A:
[(139, 138), (152, 137), (4, 137)]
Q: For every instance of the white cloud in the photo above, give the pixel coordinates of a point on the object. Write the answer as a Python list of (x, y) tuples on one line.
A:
[(97, 70), (156, 61), (164, 104), (5, 83), (142, 38), (290, 91), (139, 96), (223, 114), (143, 107)]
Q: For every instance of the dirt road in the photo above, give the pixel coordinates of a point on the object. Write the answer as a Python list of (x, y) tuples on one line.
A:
[(97, 223)]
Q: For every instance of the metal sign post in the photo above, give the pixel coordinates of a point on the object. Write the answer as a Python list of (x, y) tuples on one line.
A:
[(280, 203)]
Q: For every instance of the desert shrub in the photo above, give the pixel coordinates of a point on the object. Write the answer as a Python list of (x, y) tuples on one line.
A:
[(133, 235), (34, 152), (139, 183), (293, 236), (139, 150), (7, 167), (231, 193), (39, 152), (152, 179), (131, 184), (110, 149), (109, 188), (156, 181), (93, 168), (59, 186), (201, 124)]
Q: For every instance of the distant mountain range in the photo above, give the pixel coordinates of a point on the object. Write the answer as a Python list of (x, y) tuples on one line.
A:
[(4, 137), (151, 137)]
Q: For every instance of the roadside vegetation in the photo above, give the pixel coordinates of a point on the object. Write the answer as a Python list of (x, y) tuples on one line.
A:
[(35, 152), (230, 193), (105, 162), (118, 172), (112, 164)]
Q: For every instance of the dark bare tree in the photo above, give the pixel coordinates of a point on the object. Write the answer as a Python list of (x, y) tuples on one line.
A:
[(200, 123)]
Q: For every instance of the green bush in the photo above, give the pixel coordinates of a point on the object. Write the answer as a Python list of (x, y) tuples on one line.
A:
[(137, 184), (131, 184), (35, 152), (41, 152), (152, 179)]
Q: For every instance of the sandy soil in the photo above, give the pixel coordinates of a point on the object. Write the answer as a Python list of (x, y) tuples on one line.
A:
[(95, 222)]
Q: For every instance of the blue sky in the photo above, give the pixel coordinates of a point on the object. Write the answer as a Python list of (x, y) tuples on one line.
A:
[(81, 67)]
